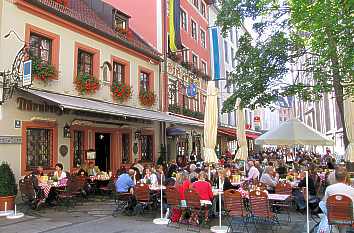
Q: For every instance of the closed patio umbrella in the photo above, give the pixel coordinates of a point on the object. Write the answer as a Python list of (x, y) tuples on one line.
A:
[(242, 151), (349, 125), (210, 124)]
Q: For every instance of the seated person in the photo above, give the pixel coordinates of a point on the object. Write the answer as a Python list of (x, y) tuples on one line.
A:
[(59, 173), (268, 179), (203, 188), (299, 196), (92, 169), (150, 177), (182, 184), (125, 184), (225, 176)]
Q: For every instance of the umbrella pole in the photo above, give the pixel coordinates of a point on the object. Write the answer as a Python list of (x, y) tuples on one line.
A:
[(307, 203), (209, 173), (220, 228), (161, 220)]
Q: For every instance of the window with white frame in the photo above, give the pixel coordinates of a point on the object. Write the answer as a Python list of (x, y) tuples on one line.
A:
[(202, 38), (183, 20), (195, 60), (203, 9), (204, 67), (194, 29), (196, 3), (233, 58), (231, 35), (226, 51), (185, 54)]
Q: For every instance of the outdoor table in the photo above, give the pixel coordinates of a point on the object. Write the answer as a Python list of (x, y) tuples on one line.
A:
[(156, 188), (278, 197), (47, 187)]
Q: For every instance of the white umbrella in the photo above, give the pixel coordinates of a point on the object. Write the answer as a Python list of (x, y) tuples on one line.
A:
[(293, 132), (210, 124), (349, 125), (242, 151)]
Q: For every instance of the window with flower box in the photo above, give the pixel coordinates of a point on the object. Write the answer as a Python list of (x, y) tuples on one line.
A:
[(144, 81), (85, 62), (118, 72), (41, 48)]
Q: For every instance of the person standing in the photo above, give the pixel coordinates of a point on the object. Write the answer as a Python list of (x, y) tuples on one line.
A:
[(253, 173)]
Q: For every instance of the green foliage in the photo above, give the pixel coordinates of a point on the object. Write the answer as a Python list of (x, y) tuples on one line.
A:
[(8, 186), (41, 70), (316, 34)]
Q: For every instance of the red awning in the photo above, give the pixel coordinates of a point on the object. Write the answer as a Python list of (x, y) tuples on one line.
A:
[(231, 132)]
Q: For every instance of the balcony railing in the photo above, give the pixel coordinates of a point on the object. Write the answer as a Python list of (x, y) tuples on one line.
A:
[(186, 112)]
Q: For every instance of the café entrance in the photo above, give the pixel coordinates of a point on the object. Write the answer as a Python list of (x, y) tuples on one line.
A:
[(103, 145)]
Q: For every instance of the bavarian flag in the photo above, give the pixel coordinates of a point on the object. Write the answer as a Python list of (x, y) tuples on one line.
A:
[(174, 25)]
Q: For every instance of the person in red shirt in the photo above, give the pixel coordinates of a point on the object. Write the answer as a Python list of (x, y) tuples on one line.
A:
[(203, 188), (182, 184)]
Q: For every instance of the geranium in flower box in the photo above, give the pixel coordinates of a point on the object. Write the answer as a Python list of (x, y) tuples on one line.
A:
[(86, 84), (121, 91), (42, 71), (147, 98)]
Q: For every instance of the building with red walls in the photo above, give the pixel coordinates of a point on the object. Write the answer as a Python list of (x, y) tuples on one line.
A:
[(186, 69)]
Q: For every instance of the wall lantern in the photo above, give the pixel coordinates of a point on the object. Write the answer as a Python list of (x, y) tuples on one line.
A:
[(66, 131)]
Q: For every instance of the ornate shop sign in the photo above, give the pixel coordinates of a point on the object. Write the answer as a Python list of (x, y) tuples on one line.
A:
[(180, 72), (10, 139), (28, 105)]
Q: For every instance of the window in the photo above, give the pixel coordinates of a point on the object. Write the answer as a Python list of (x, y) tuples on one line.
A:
[(194, 29), (229, 120), (78, 148), (204, 67), (233, 62), (118, 72), (185, 99), (196, 104), (146, 148), (185, 54), (85, 62), (144, 81), (41, 48), (183, 20), (202, 9), (228, 86), (125, 148), (195, 60), (202, 38), (231, 35), (196, 3), (39, 148), (226, 51)]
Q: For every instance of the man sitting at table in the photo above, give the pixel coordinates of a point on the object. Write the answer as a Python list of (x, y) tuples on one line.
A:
[(253, 173), (269, 180), (125, 184), (92, 169)]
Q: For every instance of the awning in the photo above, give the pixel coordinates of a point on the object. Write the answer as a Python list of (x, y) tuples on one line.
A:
[(231, 132), (89, 105)]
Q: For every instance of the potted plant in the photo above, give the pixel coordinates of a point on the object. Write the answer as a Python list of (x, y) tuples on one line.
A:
[(42, 71), (86, 83), (8, 187), (121, 91), (147, 98)]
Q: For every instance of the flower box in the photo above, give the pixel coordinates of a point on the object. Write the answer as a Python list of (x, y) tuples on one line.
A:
[(86, 84), (121, 91), (147, 98), (42, 71)]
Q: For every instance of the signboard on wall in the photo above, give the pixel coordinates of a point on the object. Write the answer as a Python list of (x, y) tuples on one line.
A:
[(10, 139), (27, 73)]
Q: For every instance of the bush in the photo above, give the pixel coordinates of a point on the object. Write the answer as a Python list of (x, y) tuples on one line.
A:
[(8, 186)]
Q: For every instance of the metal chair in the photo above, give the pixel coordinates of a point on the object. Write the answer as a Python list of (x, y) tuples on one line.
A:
[(260, 210), (28, 192), (286, 189), (142, 196), (236, 213)]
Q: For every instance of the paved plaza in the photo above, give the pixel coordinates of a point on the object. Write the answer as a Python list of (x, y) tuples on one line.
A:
[(95, 215)]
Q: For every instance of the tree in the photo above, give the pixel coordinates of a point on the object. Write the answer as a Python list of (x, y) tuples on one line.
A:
[(318, 34)]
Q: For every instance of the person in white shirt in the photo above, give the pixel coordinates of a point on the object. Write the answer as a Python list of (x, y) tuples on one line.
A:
[(151, 176), (253, 172), (59, 173), (268, 179)]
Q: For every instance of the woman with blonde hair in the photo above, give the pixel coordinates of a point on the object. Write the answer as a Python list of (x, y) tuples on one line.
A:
[(182, 184)]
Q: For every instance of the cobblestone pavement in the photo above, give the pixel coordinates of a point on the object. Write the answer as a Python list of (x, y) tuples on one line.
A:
[(95, 216)]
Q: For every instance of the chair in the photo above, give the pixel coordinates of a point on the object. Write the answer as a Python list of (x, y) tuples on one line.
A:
[(173, 201), (339, 211), (193, 204), (235, 209), (260, 210), (71, 190), (28, 193), (142, 196), (286, 189)]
